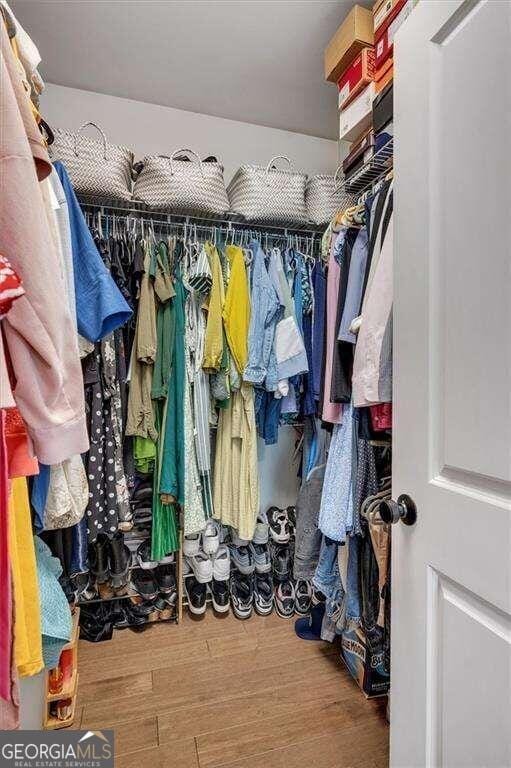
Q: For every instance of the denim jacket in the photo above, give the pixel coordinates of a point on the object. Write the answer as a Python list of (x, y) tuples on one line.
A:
[(265, 311)]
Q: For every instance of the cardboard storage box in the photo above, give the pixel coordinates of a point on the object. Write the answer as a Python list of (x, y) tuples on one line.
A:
[(365, 664), (355, 33), (385, 38), (385, 79), (383, 106), (384, 14), (357, 117), (360, 151), (358, 75)]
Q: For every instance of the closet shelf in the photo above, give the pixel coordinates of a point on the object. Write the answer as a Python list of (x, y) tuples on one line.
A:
[(137, 209), (371, 172)]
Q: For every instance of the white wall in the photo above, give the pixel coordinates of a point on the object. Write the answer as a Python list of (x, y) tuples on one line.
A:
[(152, 129)]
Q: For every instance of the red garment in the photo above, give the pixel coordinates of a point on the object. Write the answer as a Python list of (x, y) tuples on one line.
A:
[(381, 416), (10, 286)]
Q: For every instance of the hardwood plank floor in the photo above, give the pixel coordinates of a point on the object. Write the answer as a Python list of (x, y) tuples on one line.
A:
[(216, 691)]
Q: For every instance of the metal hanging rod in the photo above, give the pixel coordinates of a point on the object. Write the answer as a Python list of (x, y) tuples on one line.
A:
[(137, 210)]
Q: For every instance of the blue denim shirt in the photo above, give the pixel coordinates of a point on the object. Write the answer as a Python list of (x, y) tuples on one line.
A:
[(265, 310), (100, 306)]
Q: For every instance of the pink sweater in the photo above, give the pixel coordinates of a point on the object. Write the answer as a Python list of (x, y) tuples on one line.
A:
[(40, 336)]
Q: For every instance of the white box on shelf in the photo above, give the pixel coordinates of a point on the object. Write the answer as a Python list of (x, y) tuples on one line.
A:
[(357, 116)]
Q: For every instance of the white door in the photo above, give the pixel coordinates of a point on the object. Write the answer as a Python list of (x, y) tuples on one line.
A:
[(451, 580)]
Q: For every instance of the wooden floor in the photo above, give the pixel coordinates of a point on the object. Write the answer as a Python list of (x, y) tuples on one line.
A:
[(222, 692)]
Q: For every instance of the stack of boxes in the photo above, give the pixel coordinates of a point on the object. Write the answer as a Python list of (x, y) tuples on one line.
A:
[(359, 58)]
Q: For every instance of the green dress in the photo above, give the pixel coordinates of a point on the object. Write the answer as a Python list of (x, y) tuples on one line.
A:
[(165, 530)]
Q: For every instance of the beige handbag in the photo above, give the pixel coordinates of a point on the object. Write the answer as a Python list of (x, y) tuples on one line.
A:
[(96, 168)]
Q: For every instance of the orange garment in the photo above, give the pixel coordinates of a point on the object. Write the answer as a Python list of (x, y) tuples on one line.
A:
[(21, 462)]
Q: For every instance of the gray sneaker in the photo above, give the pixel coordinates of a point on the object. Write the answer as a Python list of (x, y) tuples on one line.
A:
[(243, 559), (261, 556)]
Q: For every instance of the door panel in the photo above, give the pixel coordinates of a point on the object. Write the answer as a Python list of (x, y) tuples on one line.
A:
[(451, 625), (460, 628), (471, 237)]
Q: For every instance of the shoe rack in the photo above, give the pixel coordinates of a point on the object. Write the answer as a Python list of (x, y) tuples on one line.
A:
[(61, 684)]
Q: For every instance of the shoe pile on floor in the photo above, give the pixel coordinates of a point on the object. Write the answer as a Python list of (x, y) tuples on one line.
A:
[(245, 575), (124, 587)]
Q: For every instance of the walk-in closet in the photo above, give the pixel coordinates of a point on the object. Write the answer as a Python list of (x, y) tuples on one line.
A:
[(255, 432)]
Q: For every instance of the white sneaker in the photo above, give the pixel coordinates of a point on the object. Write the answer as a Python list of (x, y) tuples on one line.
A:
[(211, 537), (201, 566), (261, 529), (221, 563), (191, 544)]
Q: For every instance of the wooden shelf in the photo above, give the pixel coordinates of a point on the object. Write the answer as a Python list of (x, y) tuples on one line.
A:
[(70, 689), (66, 693), (52, 723)]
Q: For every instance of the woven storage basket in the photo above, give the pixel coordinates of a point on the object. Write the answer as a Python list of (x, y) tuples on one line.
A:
[(324, 195), (181, 186), (269, 194), (96, 168)]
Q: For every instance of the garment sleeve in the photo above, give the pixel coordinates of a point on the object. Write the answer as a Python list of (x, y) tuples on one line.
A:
[(100, 306), (39, 331)]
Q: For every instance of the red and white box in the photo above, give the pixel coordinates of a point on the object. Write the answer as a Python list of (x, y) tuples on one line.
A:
[(384, 40), (384, 13), (358, 75)]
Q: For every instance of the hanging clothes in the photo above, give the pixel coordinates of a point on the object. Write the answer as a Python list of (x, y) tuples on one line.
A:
[(236, 479), (236, 310), (372, 366), (331, 412), (140, 419), (179, 473), (27, 623)]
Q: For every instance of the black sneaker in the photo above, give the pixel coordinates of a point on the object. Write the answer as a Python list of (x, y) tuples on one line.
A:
[(196, 594), (281, 563), (285, 599), (144, 584), (219, 595), (165, 579), (125, 615), (279, 525), (303, 597), (263, 594), (242, 595), (144, 555)]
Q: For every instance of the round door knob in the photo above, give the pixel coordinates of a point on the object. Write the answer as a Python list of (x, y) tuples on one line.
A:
[(403, 509)]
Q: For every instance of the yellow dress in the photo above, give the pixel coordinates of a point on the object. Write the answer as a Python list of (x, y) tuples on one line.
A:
[(28, 651), (213, 341), (236, 477), (236, 312)]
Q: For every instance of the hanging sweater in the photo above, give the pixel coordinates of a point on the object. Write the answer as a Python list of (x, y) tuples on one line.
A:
[(39, 329)]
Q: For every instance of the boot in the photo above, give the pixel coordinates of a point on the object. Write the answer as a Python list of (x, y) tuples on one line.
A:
[(98, 559), (120, 561)]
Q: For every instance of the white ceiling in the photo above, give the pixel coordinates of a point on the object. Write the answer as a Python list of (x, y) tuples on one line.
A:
[(260, 61)]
